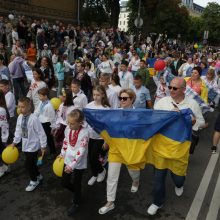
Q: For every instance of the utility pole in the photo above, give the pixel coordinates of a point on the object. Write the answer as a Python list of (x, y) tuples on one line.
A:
[(78, 12)]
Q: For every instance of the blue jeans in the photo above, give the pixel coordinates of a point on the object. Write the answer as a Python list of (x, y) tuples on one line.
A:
[(160, 182)]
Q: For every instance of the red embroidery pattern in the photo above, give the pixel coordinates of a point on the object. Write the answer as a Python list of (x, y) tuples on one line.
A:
[(73, 137), (84, 142)]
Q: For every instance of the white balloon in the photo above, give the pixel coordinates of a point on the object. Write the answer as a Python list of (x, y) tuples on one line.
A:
[(11, 17)]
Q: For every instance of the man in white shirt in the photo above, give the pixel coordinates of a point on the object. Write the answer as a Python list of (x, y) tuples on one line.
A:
[(126, 77), (175, 102), (112, 95)]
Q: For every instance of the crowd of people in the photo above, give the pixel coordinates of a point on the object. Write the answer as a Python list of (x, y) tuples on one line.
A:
[(94, 68)]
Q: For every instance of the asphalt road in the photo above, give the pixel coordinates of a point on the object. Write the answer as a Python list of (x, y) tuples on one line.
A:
[(200, 199)]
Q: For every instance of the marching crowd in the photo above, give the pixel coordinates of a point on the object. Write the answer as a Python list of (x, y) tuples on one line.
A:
[(97, 69)]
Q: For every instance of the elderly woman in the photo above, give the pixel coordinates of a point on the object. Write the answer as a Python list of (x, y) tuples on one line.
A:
[(126, 98), (197, 84), (211, 83)]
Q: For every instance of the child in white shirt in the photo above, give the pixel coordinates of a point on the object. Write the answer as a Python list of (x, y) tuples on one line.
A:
[(74, 152), (46, 114), (30, 131), (4, 116), (95, 141), (36, 84), (10, 103)]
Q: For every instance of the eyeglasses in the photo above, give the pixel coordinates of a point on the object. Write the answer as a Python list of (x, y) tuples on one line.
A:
[(173, 88), (123, 98)]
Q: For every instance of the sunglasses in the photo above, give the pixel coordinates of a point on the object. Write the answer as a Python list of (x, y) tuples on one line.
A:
[(123, 98), (173, 88)]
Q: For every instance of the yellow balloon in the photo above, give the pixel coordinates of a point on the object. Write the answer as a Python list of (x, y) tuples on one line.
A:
[(196, 46), (58, 166), (18, 111), (55, 102), (10, 154)]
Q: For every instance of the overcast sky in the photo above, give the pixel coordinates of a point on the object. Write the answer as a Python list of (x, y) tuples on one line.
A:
[(205, 2)]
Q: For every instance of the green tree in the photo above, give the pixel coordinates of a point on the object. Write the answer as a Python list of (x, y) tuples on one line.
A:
[(160, 16), (195, 29), (101, 11), (211, 22)]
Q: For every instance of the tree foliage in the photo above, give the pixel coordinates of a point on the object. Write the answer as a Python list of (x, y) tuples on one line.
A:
[(160, 16), (101, 11), (211, 22)]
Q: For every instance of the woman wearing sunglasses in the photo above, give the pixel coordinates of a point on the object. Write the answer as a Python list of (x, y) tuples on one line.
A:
[(126, 98)]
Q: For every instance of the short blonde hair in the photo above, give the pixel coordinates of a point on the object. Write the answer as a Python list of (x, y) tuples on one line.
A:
[(130, 93), (77, 114)]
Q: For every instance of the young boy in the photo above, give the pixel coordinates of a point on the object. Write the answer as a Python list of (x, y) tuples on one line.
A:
[(9, 96), (31, 132), (74, 152), (10, 103), (46, 114)]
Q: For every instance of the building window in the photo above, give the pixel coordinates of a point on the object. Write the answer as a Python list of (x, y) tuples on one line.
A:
[(124, 22), (119, 22)]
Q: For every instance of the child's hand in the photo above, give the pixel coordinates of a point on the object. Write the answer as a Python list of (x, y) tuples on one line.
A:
[(43, 151), (105, 146), (60, 156), (13, 145), (68, 169)]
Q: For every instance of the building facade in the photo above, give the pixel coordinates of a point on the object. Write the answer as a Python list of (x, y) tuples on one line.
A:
[(123, 17), (65, 10)]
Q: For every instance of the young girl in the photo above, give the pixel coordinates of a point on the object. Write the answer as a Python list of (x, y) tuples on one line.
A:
[(115, 83), (95, 141), (31, 132), (74, 152), (59, 70), (162, 89), (35, 86), (4, 117), (61, 118), (46, 114)]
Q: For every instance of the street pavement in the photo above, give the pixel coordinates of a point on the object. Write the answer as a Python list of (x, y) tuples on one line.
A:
[(200, 199)]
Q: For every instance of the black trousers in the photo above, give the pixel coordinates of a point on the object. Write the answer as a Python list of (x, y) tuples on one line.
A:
[(31, 164), (74, 186), (19, 88), (50, 140), (2, 147), (95, 149)]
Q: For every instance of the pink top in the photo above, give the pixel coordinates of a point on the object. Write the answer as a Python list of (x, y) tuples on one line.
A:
[(195, 86)]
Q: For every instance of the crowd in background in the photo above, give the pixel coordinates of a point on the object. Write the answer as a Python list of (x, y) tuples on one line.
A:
[(91, 67)]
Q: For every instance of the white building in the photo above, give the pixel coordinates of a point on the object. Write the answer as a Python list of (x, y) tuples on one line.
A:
[(188, 3), (123, 17)]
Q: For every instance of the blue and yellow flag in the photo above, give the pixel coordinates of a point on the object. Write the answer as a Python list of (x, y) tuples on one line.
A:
[(137, 137)]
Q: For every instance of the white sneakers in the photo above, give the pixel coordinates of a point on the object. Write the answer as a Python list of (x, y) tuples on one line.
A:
[(92, 180), (4, 169), (32, 185), (152, 210), (106, 208), (179, 191), (99, 178)]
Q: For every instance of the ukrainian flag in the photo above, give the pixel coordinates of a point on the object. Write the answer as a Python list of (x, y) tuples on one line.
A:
[(137, 137)]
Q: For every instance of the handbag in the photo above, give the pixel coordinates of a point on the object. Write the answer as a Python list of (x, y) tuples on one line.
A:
[(195, 141)]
